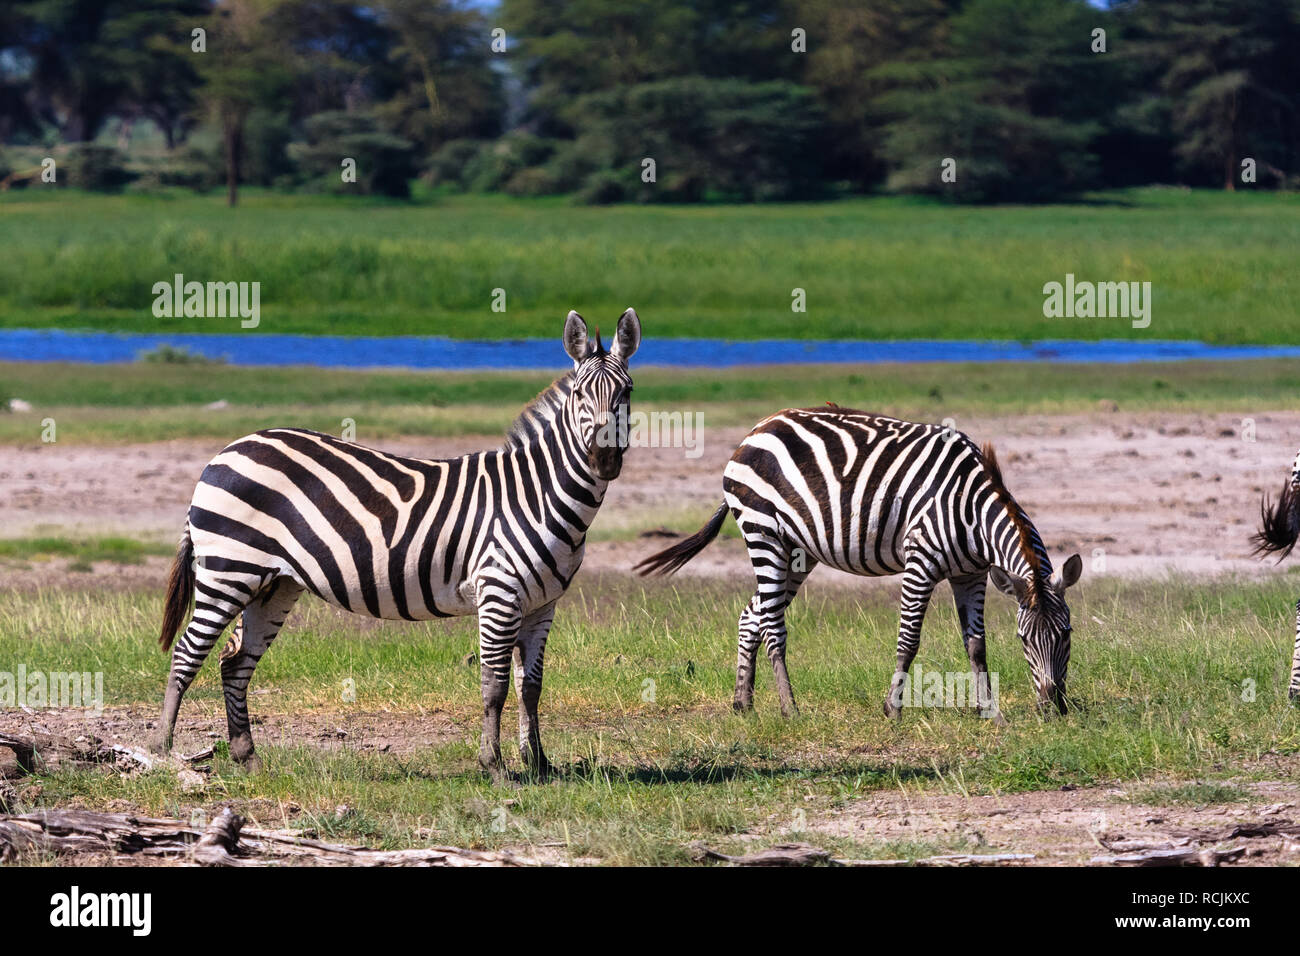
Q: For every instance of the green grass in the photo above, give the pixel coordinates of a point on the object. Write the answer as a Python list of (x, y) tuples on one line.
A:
[(1220, 264), (148, 402), (1158, 673), (81, 551)]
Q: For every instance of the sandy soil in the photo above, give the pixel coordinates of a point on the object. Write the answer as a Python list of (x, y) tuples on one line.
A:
[(1137, 494), (1071, 826)]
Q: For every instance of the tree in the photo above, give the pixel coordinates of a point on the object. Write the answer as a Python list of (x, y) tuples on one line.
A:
[(568, 48), (1229, 71), (847, 43), (1015, 100), (86, 59), (442, 84), (247, 64)]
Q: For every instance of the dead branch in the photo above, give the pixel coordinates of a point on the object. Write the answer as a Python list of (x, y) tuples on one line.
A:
[(1264, 828), (802, 854), (947, 859), (223, 842), (784, 854), (48, 749), (1174, 856)]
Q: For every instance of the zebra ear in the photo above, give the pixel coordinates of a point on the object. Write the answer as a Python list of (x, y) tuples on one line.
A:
[(1070, 571), (1009, 584), (575, 337), (628, 336)]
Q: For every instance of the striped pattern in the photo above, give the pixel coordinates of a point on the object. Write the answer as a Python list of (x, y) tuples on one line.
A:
[(497, 533), (873, 496), (1279, 531)]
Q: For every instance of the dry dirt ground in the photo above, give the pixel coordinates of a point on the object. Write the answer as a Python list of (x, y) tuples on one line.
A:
[(1153, 492), (1058, 827)]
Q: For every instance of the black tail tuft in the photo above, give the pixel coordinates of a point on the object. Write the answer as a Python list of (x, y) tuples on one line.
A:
[(180, 591), (671, 559), (1279, 524)]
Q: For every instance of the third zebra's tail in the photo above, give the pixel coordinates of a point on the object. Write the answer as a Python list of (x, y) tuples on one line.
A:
[(671, 559), (1279, 522)]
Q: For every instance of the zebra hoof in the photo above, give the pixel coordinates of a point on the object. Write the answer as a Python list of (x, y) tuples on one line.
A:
[(251, 764), (496, 772), (742, 706), (160, 746), (892, 710), (241, 750)]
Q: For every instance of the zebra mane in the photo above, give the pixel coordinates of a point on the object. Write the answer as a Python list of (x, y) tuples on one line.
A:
[(1031, 546), (540, 412)]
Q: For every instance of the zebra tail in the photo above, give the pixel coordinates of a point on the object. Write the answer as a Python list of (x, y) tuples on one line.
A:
[(1279, 523), (671, 559), (180, 591)]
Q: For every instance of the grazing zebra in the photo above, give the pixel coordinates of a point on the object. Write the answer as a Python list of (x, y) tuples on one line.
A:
[(498, 533), (1279, 529), (874, 496)]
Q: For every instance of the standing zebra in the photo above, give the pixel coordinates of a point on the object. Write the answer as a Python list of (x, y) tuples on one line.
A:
[(1279, 529), (497, 533), (874, 496)]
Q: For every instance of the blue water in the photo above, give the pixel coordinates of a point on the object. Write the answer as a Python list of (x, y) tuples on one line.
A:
[(435, 352)]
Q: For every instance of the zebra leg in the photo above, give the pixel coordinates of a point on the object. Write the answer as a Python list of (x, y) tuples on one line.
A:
[(1294, 692), (918, 584), (261, 622), (777, 585), (751, 635), (968, 594), (529, 654), (219, 598), (499, 621)]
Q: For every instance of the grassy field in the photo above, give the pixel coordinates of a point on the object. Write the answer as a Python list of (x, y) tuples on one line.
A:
[(1158, 673), (1221, 265), (150, 402)]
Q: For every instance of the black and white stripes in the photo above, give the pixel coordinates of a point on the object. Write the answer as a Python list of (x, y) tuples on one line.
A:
[(872, 495), (1278, 533), (498, 533)]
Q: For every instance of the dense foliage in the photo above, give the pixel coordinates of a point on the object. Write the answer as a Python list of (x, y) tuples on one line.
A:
[(655, 100)]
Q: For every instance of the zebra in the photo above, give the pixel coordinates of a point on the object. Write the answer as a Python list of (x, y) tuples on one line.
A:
[(873, 495), (497, 533), (1279, 530)]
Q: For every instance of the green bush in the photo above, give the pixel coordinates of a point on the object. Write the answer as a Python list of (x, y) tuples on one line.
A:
[(734, 139), (94, 167), (534, 181), (448, 164), (603, 187), (385, 163), (499, 161), (266, 159), (187, 168)]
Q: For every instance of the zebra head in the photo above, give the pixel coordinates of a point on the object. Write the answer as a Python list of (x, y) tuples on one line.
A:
[(1043, 623), (600, 400)]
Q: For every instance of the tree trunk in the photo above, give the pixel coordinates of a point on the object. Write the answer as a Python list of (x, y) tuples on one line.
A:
[(234, 133)]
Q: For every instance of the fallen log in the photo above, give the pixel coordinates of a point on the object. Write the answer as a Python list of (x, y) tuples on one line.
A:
[(1174, 856), (784, 854), (225, 841), (802, 854), (1264, 828), (947, 859)]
